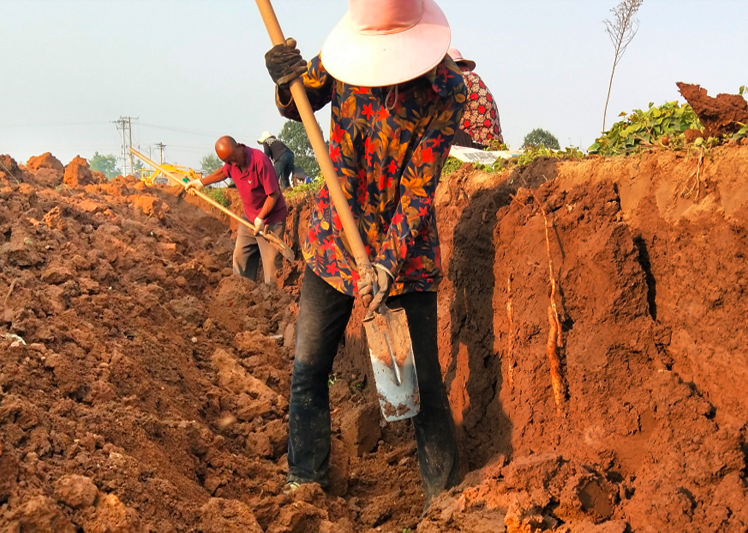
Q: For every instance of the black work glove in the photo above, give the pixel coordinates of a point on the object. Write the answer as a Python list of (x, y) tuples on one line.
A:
[(284, 63)]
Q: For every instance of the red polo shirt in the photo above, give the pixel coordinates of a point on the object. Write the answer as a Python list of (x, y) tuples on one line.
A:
[(255, 184)]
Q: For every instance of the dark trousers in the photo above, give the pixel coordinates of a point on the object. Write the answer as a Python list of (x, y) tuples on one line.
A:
[(284, 168), (323, 316)]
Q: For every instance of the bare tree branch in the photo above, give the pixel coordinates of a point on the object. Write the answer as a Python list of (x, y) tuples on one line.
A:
[(621, 30)]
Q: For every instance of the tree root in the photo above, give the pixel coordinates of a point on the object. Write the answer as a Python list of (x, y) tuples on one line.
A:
[(555, 340), (510, 341)]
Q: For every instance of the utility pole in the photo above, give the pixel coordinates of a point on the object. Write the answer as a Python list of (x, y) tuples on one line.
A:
[(124, 125), (161, 147)]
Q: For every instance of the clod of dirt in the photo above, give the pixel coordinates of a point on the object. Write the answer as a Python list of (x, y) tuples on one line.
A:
[(220, 515), (722, 115), (360, 429), (8, 166), (46, 160), (76, 491), (78, 173)]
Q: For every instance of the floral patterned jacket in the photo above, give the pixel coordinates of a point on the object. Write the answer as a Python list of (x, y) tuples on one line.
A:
[(481, 117), (388, 145)]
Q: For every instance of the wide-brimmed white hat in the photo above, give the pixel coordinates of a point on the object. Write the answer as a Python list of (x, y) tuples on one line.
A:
[(456, 56), (386, 42), (264, 137)]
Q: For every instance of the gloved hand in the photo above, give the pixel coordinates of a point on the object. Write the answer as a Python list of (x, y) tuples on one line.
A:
[(374, 285), (260, 225), (284, 63), (194, 184)]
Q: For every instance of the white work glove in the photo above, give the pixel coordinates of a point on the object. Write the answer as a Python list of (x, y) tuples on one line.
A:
[(373, 287), (194, 184), (260, 226)]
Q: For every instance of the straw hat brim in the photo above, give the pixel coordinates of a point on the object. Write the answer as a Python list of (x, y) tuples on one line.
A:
[(378, 60)]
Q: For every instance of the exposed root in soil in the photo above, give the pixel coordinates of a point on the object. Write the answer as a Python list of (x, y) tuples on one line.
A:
[(555, 341)]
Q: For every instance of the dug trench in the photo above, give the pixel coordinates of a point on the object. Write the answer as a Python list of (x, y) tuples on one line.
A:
[(151, 393)]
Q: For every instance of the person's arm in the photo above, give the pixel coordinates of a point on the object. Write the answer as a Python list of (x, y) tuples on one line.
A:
[(199, 183), (266, 176), (214, 177), (269, 204), (419, 180), (318, 84), (267, 150)]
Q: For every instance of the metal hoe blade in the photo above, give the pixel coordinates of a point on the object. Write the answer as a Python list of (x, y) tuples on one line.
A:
[(393, 363)]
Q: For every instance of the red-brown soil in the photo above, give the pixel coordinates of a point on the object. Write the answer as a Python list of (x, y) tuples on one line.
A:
[(722, 115), (151, 393)]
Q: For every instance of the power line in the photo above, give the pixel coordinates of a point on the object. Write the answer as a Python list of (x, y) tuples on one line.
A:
[(52, 124), (212, 136)]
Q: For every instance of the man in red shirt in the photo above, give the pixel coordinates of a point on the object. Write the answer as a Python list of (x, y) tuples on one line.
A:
[(254, 177)]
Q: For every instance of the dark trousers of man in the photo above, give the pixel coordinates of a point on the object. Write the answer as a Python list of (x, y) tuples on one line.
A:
[(323, 316), (284, 168)]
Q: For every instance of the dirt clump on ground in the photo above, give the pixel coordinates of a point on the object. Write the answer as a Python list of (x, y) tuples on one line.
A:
[(143, 387), (724, 114)]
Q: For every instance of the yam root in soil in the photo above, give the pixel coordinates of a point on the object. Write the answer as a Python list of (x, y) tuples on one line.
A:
[(555, 341)]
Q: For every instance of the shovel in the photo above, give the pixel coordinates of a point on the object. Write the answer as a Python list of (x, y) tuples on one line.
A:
[(275, 241), (387, 330)]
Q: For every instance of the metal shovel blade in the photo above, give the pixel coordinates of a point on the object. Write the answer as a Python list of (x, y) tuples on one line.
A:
[(394, 366)]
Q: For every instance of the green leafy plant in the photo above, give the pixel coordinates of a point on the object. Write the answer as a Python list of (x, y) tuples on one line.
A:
[(451, 165), (743, 132), (496, 145), (305, 188), (219, 195), (534, 152), (662, 126)]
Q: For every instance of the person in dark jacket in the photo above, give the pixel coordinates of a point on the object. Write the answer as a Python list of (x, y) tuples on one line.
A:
[(282, 157)]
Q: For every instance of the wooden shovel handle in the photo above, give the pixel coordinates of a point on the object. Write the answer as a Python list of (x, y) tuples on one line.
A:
[(318, 144)]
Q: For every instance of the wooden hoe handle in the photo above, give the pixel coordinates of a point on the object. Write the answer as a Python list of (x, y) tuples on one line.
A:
[(318, 144), (275, 241)]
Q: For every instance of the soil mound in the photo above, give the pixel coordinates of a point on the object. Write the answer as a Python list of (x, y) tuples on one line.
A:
[(46, 160), (143, 387), (723, 115)]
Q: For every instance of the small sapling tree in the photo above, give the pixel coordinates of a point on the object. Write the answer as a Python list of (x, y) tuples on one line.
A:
[(621, 30)]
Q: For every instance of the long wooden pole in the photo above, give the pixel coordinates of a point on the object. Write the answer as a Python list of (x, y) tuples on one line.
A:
[(318, 144), (269, 236)]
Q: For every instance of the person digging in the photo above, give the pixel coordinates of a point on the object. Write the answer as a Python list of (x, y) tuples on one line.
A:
[(264, 205), (281, 155), (396, 100)]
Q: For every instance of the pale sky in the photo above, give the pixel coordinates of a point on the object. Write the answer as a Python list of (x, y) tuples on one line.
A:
[(193, 70)]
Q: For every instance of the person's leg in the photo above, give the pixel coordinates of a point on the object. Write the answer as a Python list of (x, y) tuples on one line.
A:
[(434, 426), (323, 316), (278, 167), (283, 169), (246, 253), (288, 170), (269, 253)]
